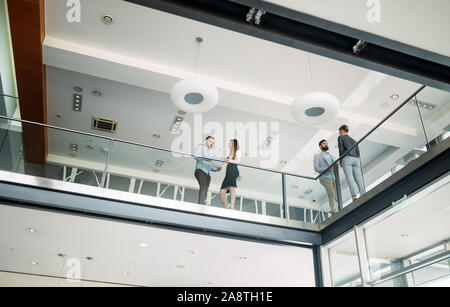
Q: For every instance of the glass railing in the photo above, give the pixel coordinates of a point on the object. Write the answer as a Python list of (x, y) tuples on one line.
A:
[(115, 164), (413, 128)]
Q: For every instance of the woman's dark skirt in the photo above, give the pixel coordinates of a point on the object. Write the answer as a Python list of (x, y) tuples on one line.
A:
[(230, 177)]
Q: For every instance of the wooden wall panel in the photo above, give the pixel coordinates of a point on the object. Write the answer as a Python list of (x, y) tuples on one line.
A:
[(27, 24)]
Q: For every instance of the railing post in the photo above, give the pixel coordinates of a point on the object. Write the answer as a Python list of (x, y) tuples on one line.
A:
[(423, 125), (283, 184), (338, 186), (111, 142), (362, 177)]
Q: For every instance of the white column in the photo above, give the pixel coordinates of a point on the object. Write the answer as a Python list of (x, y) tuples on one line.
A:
[(183, 189), (73, 175), (326, 269), (158, 190), (175, 192), (140, 186), (363, 258), (132, 185), (408, 278)]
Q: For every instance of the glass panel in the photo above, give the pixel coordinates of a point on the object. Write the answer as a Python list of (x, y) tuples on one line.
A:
[(162, 174), (396, 143), (71, 157), (434, 106), (412, 233), (433, 275), (308, 199), (344, 263)]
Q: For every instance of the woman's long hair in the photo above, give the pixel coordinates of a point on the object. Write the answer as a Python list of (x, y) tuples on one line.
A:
[(234, 149)]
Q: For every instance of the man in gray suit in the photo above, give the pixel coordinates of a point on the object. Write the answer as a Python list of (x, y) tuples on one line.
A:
[(322, 162)]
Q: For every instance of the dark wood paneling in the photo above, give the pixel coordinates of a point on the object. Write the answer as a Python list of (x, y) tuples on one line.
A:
[(28, 32)]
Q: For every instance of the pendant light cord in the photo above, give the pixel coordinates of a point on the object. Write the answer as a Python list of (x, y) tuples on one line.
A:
[(310, 72), (198, 59)]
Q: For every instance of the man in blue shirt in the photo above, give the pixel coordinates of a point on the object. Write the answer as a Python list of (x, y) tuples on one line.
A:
[(322, 162), (204, 166)]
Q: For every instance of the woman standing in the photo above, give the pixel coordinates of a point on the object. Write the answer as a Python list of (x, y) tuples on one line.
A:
[(229, 183)]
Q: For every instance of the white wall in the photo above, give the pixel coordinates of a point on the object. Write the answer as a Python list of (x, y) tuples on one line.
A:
[(26, 280)]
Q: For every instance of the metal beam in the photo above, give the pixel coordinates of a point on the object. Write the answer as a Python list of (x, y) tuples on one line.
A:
[(17, 194), (298, 30), (318, 266)]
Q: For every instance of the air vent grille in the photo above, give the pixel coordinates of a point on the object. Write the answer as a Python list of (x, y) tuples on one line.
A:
[(106, 125)]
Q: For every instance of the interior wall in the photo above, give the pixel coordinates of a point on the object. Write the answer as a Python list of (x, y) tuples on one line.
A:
[(7, 71), (26, 280)]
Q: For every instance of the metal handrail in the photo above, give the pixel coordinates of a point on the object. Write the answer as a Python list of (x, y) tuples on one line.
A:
[(371, 131), (244, 165), (10, 96), (143, 145)]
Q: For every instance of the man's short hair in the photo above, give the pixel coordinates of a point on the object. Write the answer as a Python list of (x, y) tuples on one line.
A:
[(321, 142), (210, 137), (344, 128)]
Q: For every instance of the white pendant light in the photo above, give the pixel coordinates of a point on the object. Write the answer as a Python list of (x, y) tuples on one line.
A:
[(195, 95), (315, 108)]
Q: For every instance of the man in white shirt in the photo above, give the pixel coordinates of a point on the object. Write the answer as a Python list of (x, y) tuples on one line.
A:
[(204, 166)]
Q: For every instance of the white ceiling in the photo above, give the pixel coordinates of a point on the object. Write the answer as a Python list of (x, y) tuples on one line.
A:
[(115, 249), (136, 64), (422, 24)]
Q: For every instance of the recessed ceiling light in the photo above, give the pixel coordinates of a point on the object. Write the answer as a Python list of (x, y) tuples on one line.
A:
[(34, 262), (243, 258), (74, 147), (30, 229), (405, 236), (61, 255), (395, 96), (126, 274), (179, 266), (78, 89), (143, 245), (309, 191), (194, 252), (90, 258), (208, 283), (108, 19), (156, 136), (97, 93)]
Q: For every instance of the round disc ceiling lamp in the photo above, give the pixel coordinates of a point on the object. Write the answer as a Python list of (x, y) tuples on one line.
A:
[(195, 95), (315, 108)]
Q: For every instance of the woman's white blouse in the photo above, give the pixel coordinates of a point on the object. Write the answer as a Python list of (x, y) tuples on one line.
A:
[(238, 157)]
